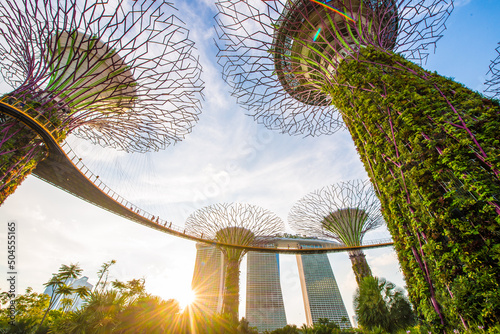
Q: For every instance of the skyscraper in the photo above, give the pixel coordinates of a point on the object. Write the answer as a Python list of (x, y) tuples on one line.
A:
[(208, 278), (321, 294), (264, 304), (322, 298), (264, 300)]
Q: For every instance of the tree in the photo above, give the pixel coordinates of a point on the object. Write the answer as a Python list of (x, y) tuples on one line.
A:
[(325, 326), (125, 308), (288, 329), (98, 315), (378, 304), (59, 286), (103, 273), (148, 314), (30, 309), (244, 327), (428, 144)]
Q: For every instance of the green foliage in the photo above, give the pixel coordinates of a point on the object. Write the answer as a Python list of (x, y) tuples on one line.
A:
[(23, 149), (323, 326), (29, 311), (60, 289), (231, 294), (369, 305), (122, 308), (197, 321), (125, 308), (431, 148), (114, 312), (103, 275), (380, 307), (288, 329), (19, 155), (244, 327), (359, 265)]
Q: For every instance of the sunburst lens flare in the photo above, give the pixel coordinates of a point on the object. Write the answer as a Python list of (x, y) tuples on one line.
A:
[(234, 224), (187, 299)]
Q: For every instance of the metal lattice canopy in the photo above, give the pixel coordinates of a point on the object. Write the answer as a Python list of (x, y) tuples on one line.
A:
[(345, 211), (280, 56), (121, 73), (236, 224), (493, 83)]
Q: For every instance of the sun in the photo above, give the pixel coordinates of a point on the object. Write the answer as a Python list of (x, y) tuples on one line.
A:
[(187, 298)]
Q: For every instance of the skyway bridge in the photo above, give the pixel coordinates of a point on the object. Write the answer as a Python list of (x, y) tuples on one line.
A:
[(65, 170)]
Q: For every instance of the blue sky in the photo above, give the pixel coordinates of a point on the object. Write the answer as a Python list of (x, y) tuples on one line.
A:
[(227, 158)]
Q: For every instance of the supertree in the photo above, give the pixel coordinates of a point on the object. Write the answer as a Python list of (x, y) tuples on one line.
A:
[(234, 224), (493, 83), (345, 211), (429, 144), (120, 74)]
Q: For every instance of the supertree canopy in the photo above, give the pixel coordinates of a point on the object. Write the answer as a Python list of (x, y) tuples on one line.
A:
[(429, 144), (120, 74), (493, 83), (236, 224), (345, 212)]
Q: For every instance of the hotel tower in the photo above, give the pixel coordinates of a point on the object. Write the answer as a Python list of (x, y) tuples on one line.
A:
[(264, 299)]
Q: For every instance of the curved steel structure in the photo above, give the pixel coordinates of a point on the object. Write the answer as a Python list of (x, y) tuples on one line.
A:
[(300, 66), (63, 169)]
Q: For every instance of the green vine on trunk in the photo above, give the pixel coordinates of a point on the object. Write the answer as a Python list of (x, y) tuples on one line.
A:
[(431, 148), (21, 148)]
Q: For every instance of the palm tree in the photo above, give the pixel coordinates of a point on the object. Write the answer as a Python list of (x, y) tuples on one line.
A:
[(59, 286), (148, 314), (378, 304), (125, 309), (99, 315), (370, 307), (66, 304), (306, 329), (104, 271)]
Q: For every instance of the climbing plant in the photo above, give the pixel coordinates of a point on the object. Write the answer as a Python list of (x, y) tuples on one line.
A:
[(431, 147)]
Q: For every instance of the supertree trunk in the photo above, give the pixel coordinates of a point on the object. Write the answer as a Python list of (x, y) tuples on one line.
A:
[(20, 151), (359, 265), (234, 224), (431, 147), (231, 296)]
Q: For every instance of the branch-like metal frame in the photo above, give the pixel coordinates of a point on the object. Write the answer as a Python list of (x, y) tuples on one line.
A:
[(493, 82), (278, 56), (344, 211), (120, 74), (235, 223)]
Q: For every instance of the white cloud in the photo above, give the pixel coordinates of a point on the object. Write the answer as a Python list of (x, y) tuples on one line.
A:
[(461, 3)]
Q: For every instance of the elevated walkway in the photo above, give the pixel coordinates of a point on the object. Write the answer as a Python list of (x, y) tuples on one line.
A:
[(63, 169)]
